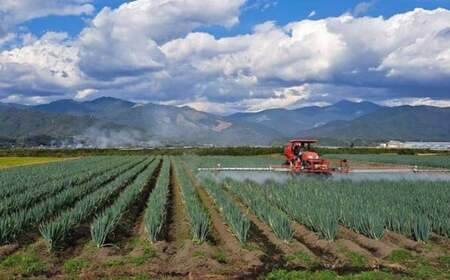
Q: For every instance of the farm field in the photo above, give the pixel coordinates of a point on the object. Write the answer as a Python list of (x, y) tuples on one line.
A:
[(6, 162), (437, 161), (139, 217)]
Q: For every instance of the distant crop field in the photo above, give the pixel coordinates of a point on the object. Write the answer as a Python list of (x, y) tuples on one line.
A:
[(146, 217), (6, 162), (438, 161)]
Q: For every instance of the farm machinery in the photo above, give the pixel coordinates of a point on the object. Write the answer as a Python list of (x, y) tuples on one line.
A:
[(301, 158)]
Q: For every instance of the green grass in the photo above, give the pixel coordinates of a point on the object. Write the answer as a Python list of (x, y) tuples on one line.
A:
[(114, 263), (329, 275), (300, 256), (7, 162), (400, 256), (73, 266), (444, 261), (199, 254), (220, 256), (356, 260), (148, 253), (23, 264)]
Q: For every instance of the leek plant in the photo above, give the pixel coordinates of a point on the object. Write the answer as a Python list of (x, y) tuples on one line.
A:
[(238, 222), (197, 215), (55, 231), (107, 221), (156, 211)]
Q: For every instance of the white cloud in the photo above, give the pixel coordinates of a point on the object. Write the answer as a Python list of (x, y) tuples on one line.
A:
[(127, 53), (13, 12), (124, 41), (312, 14), (44, 67), (85, 93), (283, 98), (418, 102), (27, 100)]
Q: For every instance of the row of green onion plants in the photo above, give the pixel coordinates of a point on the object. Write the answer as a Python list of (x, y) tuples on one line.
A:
[(105, 223), (30, 197), (236, 220), (156, 210), (412, 208), (257, 203), (196, 212), (311, 207), (15, 224), (57, 230), (22, 179)]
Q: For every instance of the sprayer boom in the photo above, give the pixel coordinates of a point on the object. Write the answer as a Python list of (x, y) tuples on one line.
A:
[(270, 169)]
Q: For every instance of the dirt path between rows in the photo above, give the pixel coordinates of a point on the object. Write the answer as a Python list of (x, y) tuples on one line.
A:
[(178, 228), (402, 241), (378, 248), (325, 249)]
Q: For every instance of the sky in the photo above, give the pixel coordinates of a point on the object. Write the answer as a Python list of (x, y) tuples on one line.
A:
[(226, 56)]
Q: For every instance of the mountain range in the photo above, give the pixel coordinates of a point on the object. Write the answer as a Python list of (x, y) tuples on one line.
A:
[(112, 122)]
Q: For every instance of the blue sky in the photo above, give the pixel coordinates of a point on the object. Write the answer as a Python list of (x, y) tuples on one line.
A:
[(226, 56), (280, 11)]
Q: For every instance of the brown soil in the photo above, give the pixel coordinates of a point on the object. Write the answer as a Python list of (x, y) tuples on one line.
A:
[(179, 228), (440, 241), (326, 249), (6, 250), (376, 247), (402, 241)]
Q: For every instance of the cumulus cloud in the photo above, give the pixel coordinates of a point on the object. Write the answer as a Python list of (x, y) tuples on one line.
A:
[(152, 51), (13, 12), (125, 41), (45, 67), (407, 50)]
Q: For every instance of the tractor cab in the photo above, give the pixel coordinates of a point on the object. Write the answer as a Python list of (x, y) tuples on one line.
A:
[(301, 157)]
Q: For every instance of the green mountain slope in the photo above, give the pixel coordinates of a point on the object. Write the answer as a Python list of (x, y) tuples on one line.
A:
[(420, 123), (289, 122)]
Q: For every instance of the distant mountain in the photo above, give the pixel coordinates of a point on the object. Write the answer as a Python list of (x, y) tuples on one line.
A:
[(289, 122), (165, 125), (112, 122), (100, 107), (24, 124), (420, 123)]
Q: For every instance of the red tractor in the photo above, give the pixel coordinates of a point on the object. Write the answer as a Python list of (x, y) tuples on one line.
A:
[(300, 157)]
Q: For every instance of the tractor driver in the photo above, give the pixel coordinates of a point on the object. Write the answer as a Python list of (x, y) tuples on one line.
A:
[(298, 150)]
